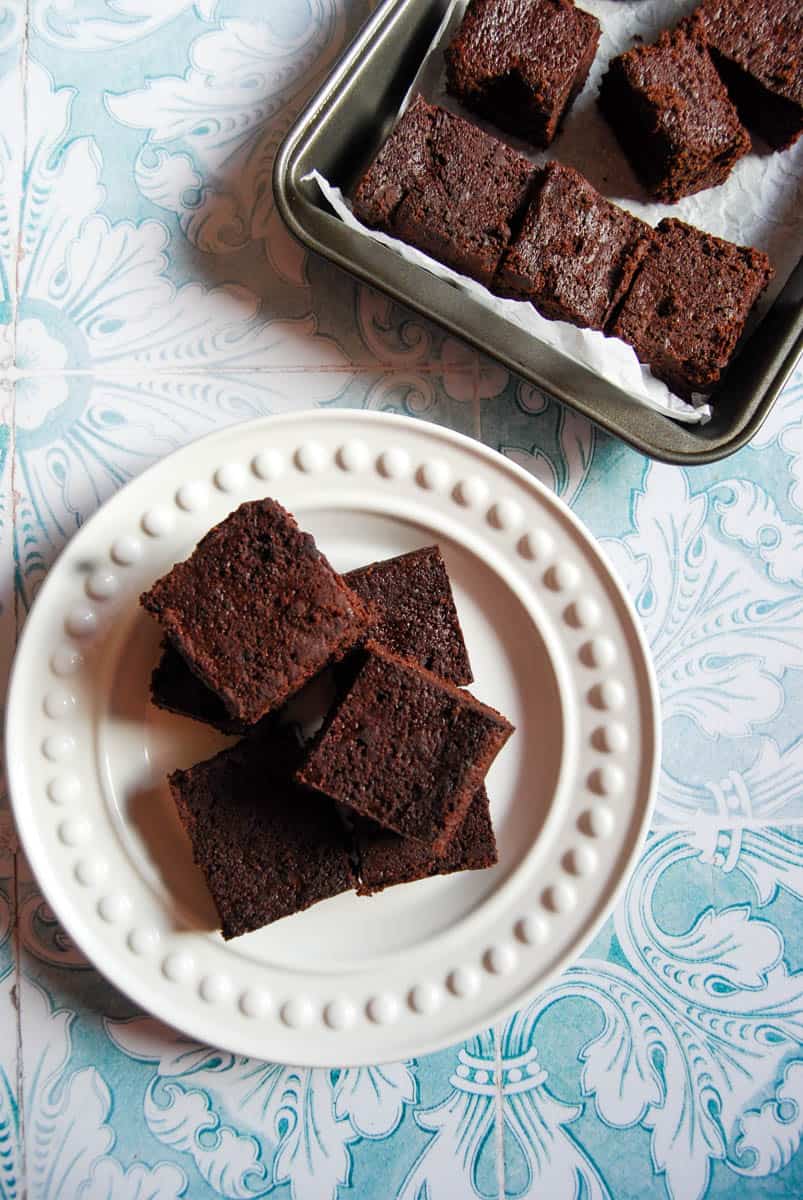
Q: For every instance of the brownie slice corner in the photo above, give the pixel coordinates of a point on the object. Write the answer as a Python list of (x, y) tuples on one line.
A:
[(176, 689), (757, 46), (416, 613)]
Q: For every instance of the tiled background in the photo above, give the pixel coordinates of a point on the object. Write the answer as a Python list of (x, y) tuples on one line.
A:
[(150, 294)]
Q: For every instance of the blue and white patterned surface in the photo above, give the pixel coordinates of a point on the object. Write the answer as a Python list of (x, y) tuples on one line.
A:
[(150, 294)]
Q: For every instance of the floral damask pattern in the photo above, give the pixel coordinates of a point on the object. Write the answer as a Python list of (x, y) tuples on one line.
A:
[(213, 133), (702, 1028), (148, 294), (64, 1155), (722, 631), (272, 1124), (100, 26)]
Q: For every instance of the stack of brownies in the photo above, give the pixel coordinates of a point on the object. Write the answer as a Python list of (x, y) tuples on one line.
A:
[(390, 789), (679, 108)]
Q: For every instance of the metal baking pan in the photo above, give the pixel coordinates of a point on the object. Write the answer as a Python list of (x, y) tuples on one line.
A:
[(340, 131)]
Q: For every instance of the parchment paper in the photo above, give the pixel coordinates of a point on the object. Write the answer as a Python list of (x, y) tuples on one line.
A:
[(760, 204)]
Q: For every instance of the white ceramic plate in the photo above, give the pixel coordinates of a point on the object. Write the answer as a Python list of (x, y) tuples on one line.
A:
[(554, 644)]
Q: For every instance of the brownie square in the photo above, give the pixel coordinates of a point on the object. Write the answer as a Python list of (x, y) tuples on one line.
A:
[(415, 616), (406, 749), (446, 187), (757, 46), (575, 254), (688, 304), (257, 610), (520, 63), (672, 114), (266, 850), (386, 858)]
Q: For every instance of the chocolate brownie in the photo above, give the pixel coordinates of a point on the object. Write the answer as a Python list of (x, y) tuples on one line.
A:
[(688, 304), (386, 858), (417, 615), (757, 46), (176, 689), (575, 254), (672, 115), (406, 748), (257, 610), (520, 63), (265, 849), (446, 187)]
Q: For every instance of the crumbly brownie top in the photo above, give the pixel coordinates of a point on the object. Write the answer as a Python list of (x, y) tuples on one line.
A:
[(257, 610), (417, 614), (446, 186), (406, 749), (576, 253), (765, 37), (679, 86), (267, 848), (688, 304), (386, 858), (176, 689), (542, 41)]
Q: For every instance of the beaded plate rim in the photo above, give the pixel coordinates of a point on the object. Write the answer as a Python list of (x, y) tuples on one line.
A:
[(425, 1001)]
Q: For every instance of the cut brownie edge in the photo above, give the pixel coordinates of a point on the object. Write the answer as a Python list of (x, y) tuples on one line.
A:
[(777, 120), (757, 46), (175, 689), (399, 162)]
